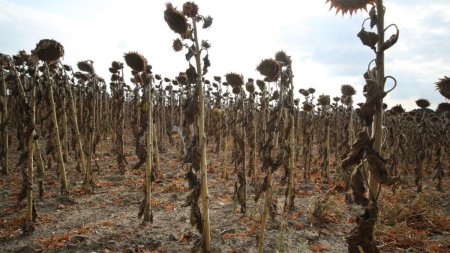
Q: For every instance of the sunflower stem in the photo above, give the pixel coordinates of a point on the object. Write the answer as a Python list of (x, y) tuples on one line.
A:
[(202, 140)]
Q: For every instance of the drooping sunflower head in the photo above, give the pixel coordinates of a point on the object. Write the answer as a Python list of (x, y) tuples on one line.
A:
[(117, 65), (4, 60), (282, 57), (443, 107), (398, 109), (177, 45), (422, 103), (175, 19), (237, 90), (234, 79), (349, 6), (49, 50), (443, 86), (261, 84), (250, 86), (270, 69), (86, 66), (307, 107), (324, 100), (347, 90), (135, 61), (190, 9)]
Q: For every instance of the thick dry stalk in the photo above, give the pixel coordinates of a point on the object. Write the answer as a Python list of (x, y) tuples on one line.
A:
[(291, 185), (65, 129), (378, 118), (4, 118), (87, 173), (29, 208), (267, 199), (62, 167), (148, 216), (203, 169), (244, 156), (254, 162)]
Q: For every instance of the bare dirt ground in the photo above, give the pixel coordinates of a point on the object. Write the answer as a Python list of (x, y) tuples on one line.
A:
[(106, 221)]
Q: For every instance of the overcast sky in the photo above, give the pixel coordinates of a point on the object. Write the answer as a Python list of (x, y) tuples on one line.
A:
[(324, 48)]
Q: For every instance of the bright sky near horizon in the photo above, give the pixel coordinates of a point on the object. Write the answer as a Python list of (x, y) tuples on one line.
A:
[(324, 48)]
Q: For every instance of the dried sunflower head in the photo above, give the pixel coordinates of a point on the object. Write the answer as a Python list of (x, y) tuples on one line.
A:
[(135, 61), (21, 58), (443, 107), (311, 90), (207, 22), (234, 79), (336, 99), (236, 90), (182, 78), (114, 77), (177, 45), (347, 90), (86, 66), (270, 69), (351, 6), (261, 84), (443, 86), (434, 119), (80, 76), (117, 65), (49, 50), (398, 109), (67, 67), (190, 9), (250, 87), (422, 103), (217, 78), (307, 107), (113, 70), (4, 60), (282, 57), (324, 100), (176, 20)]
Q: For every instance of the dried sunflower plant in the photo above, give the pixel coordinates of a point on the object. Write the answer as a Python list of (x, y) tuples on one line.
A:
[(184, 23), (143, 75), (367, 148), (4, 114), (273, 150), (443, 86), (25, 84)]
